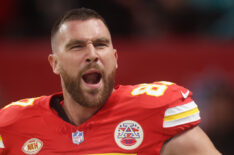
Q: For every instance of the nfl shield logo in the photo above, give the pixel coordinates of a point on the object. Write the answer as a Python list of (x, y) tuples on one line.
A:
[(77, 137)]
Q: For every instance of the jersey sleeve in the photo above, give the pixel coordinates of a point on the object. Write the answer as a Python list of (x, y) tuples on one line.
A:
[(181, 113), (16, 121), (14, 111), (172, 108)]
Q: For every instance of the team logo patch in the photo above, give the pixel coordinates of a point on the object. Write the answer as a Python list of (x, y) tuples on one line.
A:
[(77, 137), (128, 135), (32, 146)]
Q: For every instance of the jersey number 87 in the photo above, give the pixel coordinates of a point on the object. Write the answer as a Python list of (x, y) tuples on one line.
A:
[(151, 89)]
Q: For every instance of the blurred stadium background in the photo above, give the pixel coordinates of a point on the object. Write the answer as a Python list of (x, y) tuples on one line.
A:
[(189, 42)]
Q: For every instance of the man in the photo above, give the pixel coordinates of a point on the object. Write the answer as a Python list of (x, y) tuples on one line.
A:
[(90, 116)]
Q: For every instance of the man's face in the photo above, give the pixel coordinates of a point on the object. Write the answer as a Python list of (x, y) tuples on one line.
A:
[(86, 61)]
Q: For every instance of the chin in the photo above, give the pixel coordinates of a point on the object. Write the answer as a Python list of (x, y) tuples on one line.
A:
[(93, 100)]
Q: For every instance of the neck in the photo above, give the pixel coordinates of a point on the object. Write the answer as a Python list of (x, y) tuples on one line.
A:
[(76, 113)]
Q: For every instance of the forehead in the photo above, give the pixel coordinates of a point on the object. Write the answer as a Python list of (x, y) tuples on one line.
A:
[(87, 29)]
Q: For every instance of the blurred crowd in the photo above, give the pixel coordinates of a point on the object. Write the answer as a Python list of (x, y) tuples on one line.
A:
[(137, 18), (215, 97)]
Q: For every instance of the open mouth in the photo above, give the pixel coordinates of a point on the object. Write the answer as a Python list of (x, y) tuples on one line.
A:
[(93, 77)]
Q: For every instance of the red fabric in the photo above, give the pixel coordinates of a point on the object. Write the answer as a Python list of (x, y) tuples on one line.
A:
[(33, 118)]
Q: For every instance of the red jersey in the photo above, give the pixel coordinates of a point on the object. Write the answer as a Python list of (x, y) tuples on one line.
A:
[(136, 120)]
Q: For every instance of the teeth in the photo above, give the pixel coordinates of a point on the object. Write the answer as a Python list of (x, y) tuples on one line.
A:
[(92, 78)]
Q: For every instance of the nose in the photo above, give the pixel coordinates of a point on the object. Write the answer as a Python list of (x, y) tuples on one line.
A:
[(92, 55)]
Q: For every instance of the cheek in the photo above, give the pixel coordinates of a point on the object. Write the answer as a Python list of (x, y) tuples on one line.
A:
[(71, 65), (110, 62)]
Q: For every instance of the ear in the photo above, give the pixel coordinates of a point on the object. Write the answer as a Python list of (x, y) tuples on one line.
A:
[(116, 57), (52, 58)]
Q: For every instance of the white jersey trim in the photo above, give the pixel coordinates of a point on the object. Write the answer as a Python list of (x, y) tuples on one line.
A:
[(185, 120), (181, 114), (180, 109), (1, 142)]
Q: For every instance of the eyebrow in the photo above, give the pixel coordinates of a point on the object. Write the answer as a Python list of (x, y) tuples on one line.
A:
[(102, 40), (83, 42), (74, 42)]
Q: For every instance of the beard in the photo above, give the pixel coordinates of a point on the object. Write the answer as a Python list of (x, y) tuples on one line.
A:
[(98, 96)]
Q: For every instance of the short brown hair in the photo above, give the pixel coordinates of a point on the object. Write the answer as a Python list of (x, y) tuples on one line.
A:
[(76, 14)]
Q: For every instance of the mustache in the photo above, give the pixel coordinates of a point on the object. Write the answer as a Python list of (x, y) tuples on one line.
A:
[(92, 66)]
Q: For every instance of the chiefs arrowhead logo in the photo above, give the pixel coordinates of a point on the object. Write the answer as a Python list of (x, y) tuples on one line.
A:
[(128, 135)]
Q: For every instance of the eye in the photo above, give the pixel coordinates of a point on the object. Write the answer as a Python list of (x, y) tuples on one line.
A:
[(77, 47), (100, 45)]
